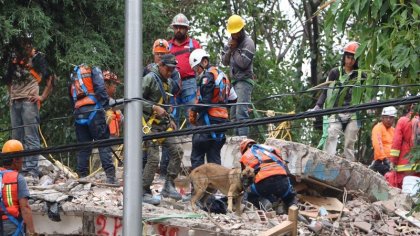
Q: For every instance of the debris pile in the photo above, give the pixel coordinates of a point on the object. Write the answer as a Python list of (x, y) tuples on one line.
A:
[(348, 212)]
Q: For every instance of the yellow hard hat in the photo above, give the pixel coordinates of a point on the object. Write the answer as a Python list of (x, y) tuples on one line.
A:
[(235, 24), (12, 145)]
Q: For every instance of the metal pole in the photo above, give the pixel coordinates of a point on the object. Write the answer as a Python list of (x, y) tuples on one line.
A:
[(133, 65)]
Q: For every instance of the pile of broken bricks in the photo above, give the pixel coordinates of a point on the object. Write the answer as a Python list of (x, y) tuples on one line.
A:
[(319, 215), (357, 217)]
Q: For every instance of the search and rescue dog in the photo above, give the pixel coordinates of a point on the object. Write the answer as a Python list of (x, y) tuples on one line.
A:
[(209, 178)]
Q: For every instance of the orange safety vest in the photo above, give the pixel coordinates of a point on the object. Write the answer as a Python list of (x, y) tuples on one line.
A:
[(10, 193), (82, 89), (260, 157), (114, 125), (219, 94), (37, 76)]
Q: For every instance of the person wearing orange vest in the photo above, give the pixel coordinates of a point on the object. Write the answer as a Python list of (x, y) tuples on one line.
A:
[(15, 209), (271, 173), (401, 146), (208, 92), (181, 45), (26, 70), (114, 118), (89, 98), (382, 135)]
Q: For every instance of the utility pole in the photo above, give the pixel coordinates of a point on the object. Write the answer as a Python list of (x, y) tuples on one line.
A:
[(133, 156)]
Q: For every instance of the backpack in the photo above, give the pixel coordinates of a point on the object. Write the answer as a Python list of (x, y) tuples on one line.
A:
[(222, 90), (81, 82)]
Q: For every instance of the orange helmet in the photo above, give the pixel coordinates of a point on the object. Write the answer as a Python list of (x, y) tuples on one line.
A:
[(12, 145), (109, 76), (244, 144), (351, 47), (160, 45)]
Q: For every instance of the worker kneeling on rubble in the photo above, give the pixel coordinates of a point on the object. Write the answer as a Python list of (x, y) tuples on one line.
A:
[(15, 209), (271, 174)]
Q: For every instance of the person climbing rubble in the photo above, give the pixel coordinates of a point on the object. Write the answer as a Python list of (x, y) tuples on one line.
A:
[(347, 123), (271, 175), (156, 118), (406, 136), (382, 135), (89, 98), (14, 195)]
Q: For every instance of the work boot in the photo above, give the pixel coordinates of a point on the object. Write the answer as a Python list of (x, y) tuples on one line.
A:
[(110, 176), (169, 190), (150, 199)]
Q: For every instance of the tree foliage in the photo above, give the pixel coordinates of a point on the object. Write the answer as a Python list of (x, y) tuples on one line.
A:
[(298, 42)]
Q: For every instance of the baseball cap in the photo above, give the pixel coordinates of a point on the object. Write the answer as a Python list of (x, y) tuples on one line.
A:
[(169, 60)]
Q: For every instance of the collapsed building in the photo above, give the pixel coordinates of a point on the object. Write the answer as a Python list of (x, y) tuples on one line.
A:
[(337, 197)]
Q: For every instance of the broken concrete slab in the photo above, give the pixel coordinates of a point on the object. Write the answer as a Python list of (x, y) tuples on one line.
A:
[(364, 226)]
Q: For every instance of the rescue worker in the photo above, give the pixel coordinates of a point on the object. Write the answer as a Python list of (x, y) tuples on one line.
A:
[(156, 118), (89, 98), (160, 48), (114, 118), (345, 122), (239, 55), (271, 173), (14, 194), (181, 45), (404, 140), (211, 83), (27, 69), (382, 135)]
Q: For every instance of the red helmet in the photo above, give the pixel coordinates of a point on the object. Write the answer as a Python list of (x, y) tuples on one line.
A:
[(109, 76), (244, 144), (160, 45), (351, 47)]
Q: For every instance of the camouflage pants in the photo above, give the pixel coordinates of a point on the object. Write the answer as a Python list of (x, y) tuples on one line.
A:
[(173, 144)]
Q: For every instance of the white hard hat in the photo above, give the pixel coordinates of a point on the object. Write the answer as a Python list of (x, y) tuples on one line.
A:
[(180, 19), (389, 111), (196, 56)]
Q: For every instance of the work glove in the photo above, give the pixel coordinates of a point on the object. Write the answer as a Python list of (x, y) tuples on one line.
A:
[(316, 108), (192, 117), (109, 115)]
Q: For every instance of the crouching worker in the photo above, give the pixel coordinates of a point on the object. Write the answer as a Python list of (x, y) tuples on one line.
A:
[(271, 181), (14, 194)]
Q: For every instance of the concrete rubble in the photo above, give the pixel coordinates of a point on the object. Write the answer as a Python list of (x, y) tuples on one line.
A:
[(364, 206)]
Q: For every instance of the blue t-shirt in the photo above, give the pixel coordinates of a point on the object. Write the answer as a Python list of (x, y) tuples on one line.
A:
[(23, 191)]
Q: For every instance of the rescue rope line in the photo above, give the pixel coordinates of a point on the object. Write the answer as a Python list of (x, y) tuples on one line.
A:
[(219, 127)]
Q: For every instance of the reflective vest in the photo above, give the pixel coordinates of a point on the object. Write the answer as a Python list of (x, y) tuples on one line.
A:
[(37, 76), (220, 94), (114, 124), (264, 159), (10, 193), (82, 89)]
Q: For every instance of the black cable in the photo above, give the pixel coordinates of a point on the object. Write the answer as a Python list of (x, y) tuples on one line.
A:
[(218, 127)]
